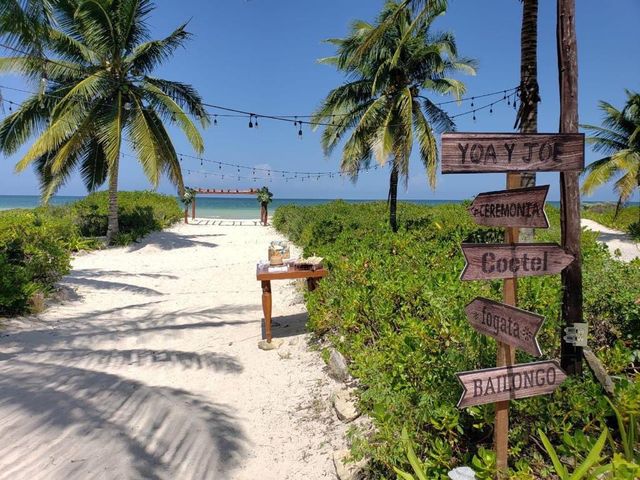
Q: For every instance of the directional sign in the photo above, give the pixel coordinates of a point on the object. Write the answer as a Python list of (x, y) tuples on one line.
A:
[(509, 383), (506, 324), (488, 261), (508, 152), (521, 207)]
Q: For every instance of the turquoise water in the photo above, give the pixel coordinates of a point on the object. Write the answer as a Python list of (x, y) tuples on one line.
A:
[(209, 207)]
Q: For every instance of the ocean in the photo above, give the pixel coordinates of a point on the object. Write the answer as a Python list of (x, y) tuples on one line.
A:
[(209, 207)]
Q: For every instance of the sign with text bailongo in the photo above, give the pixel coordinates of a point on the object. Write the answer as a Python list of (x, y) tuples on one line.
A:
[(498, 260), (509, 383), (506, 324), (506, 152), (522, 207)]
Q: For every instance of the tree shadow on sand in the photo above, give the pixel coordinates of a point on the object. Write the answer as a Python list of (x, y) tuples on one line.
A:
[(67, 422), (168, 240)]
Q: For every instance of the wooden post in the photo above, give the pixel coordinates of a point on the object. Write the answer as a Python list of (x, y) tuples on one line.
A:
[(186, 214), (193, 209), (506, 353), (571, 356)]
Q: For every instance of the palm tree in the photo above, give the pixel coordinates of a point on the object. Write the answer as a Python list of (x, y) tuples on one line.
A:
[(98, 92), (527, 117), (384, 107), (619, 140)]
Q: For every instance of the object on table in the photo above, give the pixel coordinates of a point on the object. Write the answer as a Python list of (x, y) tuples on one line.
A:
[(311, 263), (278, 252)]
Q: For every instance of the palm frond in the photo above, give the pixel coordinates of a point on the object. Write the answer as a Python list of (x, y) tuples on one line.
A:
[(149, 55)]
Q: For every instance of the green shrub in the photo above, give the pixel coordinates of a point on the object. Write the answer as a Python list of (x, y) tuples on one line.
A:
[(393, 304), (34, 254), (139, 213)]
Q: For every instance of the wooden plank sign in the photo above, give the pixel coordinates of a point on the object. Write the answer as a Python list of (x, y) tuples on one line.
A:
[(506, 324), (521, 207), (508, 152), (489, 261), (509, 383)]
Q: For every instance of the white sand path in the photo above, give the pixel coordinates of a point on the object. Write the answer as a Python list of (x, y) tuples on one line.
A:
[(154, 371), (616, 241)]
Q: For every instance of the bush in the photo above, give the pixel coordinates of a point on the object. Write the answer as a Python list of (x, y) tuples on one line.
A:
[(34, 254), (394, 306), (139, 214)]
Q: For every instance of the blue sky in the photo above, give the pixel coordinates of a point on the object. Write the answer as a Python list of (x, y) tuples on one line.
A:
[(260, 56)]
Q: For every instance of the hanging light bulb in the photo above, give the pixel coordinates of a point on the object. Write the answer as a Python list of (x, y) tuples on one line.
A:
[(300, 131), (201, 162), (181, 159), (256, 122), (215, 120), (491, 108), (505, 95), (508, 100), (250, 122), (127, 106), (514, 102), (474, 115), (253, 172), (472, 98)]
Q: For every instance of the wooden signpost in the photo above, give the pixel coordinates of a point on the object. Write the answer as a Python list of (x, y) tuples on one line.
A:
[(512, 208), (498, 260), (521, 207), (506, 152), (509, 383), (506, 324)]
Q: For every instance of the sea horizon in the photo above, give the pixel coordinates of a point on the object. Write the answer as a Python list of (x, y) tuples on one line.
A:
[(244, 207)]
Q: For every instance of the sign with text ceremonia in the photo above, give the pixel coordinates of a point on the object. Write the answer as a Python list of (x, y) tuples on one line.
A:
[(522, 207)]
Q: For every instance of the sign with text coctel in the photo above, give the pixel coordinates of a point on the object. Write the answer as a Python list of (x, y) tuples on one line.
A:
[(522, 207), (509, 383), (508, 152), (498, 260)]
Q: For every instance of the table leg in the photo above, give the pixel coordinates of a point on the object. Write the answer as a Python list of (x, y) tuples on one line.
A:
[(266, 307), (312, 283)]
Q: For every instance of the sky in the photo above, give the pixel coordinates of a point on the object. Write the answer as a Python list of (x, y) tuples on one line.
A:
[(261, 56)]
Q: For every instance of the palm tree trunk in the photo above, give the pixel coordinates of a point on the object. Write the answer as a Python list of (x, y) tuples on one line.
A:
[(112, 225), (529, 95), (393, 197)]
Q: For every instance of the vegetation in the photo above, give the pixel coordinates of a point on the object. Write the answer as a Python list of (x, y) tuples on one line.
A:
[(93, 60), (393, 305), (619, 140), (383, 108), (36, 245)]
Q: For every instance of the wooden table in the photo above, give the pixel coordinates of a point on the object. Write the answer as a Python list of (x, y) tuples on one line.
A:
[(265, 276)]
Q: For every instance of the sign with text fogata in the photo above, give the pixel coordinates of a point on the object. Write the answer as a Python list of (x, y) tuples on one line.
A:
[(521, 207), (505, 323), (508, 152), (509, 383), (490, 261)]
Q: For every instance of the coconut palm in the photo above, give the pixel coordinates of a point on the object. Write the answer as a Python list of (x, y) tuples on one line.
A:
[(98, 93), (384, 107), (619, 140)]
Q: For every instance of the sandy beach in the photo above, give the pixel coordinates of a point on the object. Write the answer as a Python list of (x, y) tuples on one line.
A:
[(151, 369)]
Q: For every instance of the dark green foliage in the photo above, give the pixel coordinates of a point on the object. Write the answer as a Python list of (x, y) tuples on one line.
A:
[(139, 214), (36, 245), (626, 220), (393, 304)]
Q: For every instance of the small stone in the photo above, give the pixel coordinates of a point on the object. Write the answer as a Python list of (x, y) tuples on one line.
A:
[(349, 470), (274, 345), (345, 406), (462, 473), (284, 354), (338, 366)]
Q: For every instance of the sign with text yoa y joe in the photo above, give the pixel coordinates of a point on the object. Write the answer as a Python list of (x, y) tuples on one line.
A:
[(520, 207), (505, 323), (508, 152), (490, 261), (509, 383)]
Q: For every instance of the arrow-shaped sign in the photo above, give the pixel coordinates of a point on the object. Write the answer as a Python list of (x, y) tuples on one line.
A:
[(521, 207), (509, 383), (506, 324), (488, 261)]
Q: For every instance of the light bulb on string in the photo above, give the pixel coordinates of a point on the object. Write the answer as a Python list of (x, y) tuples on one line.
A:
[(508, 100), (472, 98), (250, 122), (256, 121), (474, 115), (491, 108), (215, 120), (201, 162), (505, 95), (219, 166)]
